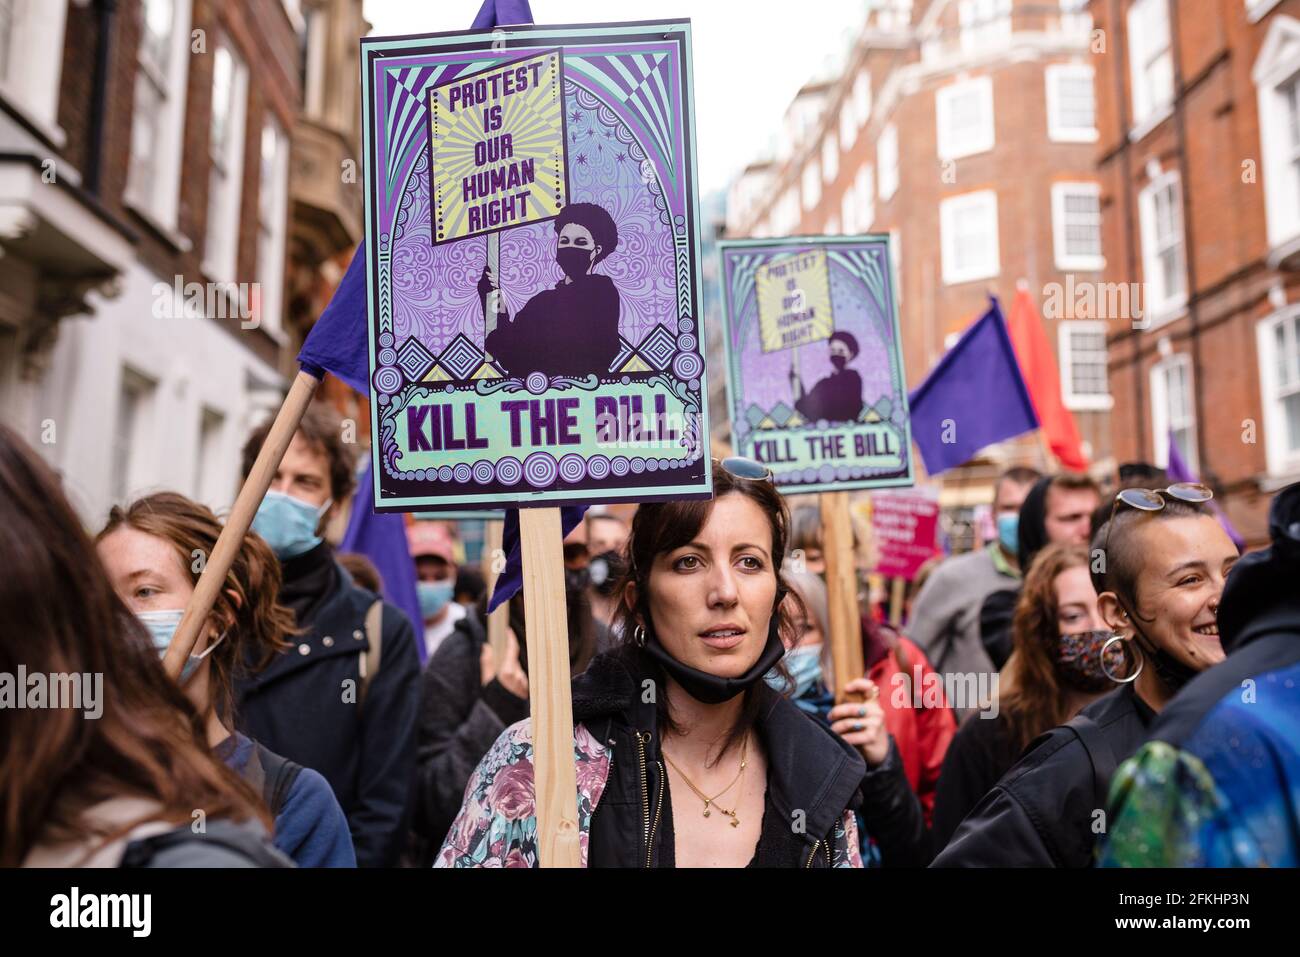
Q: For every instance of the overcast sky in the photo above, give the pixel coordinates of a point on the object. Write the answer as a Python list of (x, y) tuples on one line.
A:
[(751, 56)]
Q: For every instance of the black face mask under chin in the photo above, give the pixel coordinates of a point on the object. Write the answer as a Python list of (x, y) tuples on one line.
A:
[(1173, 674), (712, 689)]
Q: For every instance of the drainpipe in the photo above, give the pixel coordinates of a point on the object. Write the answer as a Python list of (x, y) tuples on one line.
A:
[(106, 21)]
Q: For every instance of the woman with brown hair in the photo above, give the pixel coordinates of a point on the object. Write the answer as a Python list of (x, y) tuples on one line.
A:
[(685, 756), (1054, 671), (123, 782), (154, 550)]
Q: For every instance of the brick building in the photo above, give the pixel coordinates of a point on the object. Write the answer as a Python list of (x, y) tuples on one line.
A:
[(1199, 161), (965, 130), (168, 124)]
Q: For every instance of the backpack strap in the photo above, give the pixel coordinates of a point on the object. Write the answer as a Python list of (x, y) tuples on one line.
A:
[(278, 777), (368, 664), (1099, 753)]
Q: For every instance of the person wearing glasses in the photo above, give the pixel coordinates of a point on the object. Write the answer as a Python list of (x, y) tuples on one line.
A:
[(685, 756), (1214, 785), (1159, 565)]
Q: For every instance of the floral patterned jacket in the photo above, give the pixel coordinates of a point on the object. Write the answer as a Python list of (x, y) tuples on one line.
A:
[(497, 823)]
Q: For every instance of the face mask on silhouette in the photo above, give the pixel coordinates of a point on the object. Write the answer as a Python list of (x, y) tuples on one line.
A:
[(839, 362), (574, 260)]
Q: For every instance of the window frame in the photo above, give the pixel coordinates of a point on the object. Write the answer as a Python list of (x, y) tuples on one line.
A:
[(1065, 260), (949, 209), (1056, 132), (986, 137), (1160, 417), (1280, 460), (1167, 307), (1082, 401)]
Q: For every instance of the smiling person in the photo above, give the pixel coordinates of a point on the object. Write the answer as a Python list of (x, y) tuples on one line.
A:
[(1161, 563), (685, 756), (343, 700), (573, 328), (147, 549)]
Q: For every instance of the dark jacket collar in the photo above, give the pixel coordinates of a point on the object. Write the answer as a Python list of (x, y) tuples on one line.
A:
[(810, 768)]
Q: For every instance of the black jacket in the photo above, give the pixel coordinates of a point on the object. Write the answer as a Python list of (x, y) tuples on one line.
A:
[(813, 777), (303, 706), (1048, 810), (460, 718)]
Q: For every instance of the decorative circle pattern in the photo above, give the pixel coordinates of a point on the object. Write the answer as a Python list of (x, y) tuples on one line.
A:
[(509, 470), (573, 468), (540, 469)]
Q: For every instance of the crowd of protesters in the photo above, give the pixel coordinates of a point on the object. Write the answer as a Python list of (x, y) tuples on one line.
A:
[(1117, 685)]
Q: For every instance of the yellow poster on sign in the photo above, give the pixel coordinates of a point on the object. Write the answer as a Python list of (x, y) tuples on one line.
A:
[(794, 301), (497, 151)]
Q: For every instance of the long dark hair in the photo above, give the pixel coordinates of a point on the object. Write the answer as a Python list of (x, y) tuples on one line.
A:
[(61, 616), (660, 527), (256, 625)]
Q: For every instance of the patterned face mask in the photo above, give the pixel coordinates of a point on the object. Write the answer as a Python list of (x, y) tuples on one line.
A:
[(1079, 663)]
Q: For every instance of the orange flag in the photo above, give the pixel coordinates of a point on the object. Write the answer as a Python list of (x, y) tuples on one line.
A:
[(1038, 365)]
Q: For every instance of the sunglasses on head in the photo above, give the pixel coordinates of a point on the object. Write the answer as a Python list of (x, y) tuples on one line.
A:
[(739, 467), (1153, 500)]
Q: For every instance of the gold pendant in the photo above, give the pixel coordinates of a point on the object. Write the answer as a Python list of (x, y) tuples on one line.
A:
[(707, 812), (735, 821)]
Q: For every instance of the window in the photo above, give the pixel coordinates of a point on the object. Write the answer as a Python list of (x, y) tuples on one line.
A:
[(1082, 351), (1075, 17), (226, 151), (833, 226), (964, 112), (865, 187), (1279, 364), (158, 111), (1277, 80), (848, 126), (887, 161), (893, 14), (812, 184), (31, 61), (1071, 108), (830, 157), (968, 227), (210, 486), (862, 98), (1160, 205), (1172, 411), (1076, 226), (849, 211), (1151, 61), (984, 23), (130, 439), (272, 208), (7, 17)]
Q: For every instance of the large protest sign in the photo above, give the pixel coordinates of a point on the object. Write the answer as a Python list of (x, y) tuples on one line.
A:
[(533, 267), (814, 362)]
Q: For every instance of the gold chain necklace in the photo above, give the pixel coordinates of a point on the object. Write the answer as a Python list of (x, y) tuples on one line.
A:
[(708, 801)]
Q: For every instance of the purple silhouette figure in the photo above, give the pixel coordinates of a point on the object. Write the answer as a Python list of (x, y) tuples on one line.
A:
[(838, 397), (571, 330)]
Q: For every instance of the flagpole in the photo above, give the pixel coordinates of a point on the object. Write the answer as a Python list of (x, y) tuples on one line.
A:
[(240, 520)]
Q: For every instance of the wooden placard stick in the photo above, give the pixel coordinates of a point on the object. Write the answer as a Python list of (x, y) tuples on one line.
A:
[(897, 596), (842, 591), (550, 699), (498, 621), (239, 522)]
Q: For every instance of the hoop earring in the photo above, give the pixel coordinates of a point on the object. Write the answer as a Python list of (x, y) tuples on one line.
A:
[(1121, 681), (638, 636)]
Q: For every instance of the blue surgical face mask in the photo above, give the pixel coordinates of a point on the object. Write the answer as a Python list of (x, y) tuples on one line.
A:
[(805, 667), (434, 596), (288, 524), (162, 627), (1009, 531)]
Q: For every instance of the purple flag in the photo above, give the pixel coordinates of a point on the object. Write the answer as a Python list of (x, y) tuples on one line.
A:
[(381, 537), (1177, 471), (973, 397), (338, 343)]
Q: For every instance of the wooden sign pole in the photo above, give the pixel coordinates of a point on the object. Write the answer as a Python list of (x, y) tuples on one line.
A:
[(239, 522), (498, 621), (897, 596), (550, 701), (842, 592)]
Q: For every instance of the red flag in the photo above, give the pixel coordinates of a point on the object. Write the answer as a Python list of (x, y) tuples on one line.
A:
[(1038, 365)]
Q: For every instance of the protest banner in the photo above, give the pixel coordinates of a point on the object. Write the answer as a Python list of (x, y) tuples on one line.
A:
[(533, 285), (846, 430)]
